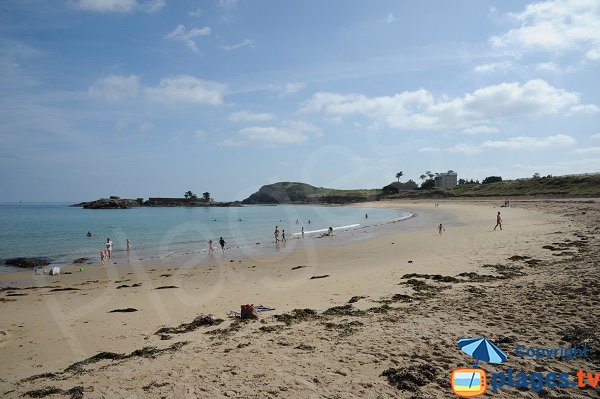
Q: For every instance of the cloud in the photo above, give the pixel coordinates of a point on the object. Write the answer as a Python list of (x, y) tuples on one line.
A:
[(120, 6), (292, 88), (495, 67), (115, 87), (548, 67), (595, 136), (187, 89), (187, 36), (244, 116), (227, 3), (589, 150), (527, 143), (289, 132), (480, 130), (388, 19), (583, 109), (196, 13), (513, 144), (244, 43), (174, 90), (593, 54), (554, 26), (421, 110)]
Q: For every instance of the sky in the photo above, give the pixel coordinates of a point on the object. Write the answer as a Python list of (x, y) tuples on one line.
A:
[(141, 98)]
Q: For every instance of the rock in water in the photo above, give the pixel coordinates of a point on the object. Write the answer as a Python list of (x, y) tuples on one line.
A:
[(27, 262)]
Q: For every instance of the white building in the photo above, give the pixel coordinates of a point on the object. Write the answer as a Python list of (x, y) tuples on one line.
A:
[(446, 180)]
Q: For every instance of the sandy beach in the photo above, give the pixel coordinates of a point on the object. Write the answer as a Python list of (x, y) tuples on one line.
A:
[(505, 286)]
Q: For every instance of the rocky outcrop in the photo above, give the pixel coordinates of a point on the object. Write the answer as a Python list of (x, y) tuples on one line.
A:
[(110, 203), (27, 262)]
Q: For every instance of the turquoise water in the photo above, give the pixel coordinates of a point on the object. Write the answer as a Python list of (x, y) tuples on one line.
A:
[(59, 231)]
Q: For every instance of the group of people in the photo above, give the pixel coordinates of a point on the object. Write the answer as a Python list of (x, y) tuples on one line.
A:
[(283, 239), (211, 246), (106, 254)]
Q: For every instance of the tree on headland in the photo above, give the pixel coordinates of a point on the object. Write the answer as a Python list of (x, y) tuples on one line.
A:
[(399, 175), (536, 175), (491, 179), (428, 173), (206, 196), (188, 195), (423, 177)]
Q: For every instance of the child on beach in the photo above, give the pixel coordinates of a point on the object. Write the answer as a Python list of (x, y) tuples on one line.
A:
[(441, 228), (222, 242), (211, 248), (102, 257), (283, 235)]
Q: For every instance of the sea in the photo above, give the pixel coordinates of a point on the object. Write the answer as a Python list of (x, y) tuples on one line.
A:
[(59, 231)]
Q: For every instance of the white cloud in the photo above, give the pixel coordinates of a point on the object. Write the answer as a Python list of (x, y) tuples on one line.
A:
[(522, 142), (121, 6), (583, 109), (187, 89), (595, 136), (548, 67), (289, 132), (177, 89), (480, 130), (495, 67), (421, 110), (593, 54), (554, 25), (513, 143), (388, 19), (589, 150), (227, 3), (244, 43), (244, 116), (115, 87), (292, 88), (187, 36), (196, 13)]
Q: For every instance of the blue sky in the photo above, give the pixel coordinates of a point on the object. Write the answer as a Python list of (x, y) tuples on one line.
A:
[(157, 97)]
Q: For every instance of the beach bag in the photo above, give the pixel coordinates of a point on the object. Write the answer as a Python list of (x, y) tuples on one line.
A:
[(248, 312)]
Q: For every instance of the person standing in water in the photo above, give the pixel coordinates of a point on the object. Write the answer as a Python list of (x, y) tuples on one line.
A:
[(302, 231), (276, 234), (222, 242), (109, 248), (498, 221), (283, 236), (211, 248), (128, 245), (440, 229)]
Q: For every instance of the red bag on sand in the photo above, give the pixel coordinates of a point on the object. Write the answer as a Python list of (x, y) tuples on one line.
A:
[(248, 312)]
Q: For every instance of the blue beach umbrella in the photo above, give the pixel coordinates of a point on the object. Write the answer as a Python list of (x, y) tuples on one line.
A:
[(482, 349)]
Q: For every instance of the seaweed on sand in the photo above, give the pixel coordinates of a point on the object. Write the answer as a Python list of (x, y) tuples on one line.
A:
[(344, 310), (297, 316), (187, 327), (410, 378)]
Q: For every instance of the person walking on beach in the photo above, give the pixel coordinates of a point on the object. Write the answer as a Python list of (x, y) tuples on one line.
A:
[(498, 222), (283, 236), (276, 234), (109, 247), (441, 228), (302, 231), (222, 242), (211, 248)]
